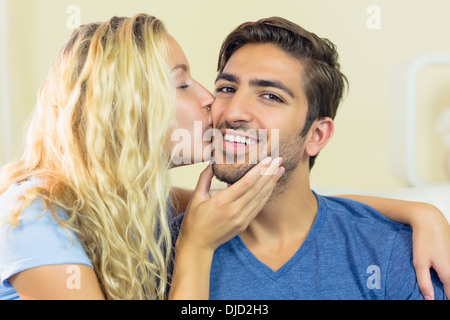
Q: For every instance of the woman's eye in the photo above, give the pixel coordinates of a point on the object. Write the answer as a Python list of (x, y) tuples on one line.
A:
[(184, 86), (273, 97)]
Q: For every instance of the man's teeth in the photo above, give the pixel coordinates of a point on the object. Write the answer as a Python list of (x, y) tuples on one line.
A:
[(239, 139)]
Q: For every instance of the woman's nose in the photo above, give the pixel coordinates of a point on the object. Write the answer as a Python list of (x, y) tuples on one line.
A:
[(206, 97)]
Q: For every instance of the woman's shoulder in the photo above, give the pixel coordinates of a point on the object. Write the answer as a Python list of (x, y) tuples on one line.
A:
[(38, 239), (13, 197), (36, 223)]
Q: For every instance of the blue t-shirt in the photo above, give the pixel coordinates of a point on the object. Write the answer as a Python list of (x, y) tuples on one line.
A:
[(37, 241), (351, 252)]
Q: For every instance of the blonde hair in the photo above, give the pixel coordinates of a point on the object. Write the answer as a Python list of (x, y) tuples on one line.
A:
[(97, 143)]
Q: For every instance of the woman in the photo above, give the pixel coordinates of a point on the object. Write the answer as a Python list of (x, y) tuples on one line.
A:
[(88, 201), (96, 162)]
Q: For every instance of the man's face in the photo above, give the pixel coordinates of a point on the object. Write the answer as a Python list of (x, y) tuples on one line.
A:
[(259, 91)]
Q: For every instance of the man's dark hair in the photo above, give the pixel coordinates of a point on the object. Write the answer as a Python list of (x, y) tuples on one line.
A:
[(323, 82)]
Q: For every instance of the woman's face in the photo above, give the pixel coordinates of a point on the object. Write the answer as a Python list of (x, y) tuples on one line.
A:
[(193, 112)]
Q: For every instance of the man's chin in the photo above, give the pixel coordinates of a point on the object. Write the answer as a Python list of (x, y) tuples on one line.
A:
[(231, 173)]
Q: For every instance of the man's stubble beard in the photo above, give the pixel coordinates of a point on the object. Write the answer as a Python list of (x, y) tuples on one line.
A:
[(290, 149)]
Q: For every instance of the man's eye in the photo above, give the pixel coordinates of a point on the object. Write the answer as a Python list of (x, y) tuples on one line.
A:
[(271, 96), (225, 90)]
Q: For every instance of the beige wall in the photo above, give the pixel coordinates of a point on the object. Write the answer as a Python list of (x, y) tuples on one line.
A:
[(359, 155)]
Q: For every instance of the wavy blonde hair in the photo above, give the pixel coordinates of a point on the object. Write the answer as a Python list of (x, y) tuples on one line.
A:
[(97, 143)]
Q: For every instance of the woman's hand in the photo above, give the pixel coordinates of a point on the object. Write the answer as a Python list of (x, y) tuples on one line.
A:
[(431, 249), (211, 221)]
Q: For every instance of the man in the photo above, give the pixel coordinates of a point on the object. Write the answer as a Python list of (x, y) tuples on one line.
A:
[(277, 77)]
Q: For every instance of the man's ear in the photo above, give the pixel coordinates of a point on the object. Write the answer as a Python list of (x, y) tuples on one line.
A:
[(321, 132)]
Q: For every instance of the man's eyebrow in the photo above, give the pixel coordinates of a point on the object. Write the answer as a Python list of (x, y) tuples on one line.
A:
[(181, 66), (271, 84), (227, 77), (256, 82)]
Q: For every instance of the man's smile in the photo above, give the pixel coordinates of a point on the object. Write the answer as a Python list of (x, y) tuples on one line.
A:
[(238, 140)]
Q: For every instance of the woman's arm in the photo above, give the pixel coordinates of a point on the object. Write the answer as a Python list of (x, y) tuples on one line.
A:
[(57, 282), (431, 237), (211, 221), (192, 267)]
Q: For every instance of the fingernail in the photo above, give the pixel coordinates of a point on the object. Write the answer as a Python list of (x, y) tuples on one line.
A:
[(266, 160), (427, 297), (277, 161), (280, 171)]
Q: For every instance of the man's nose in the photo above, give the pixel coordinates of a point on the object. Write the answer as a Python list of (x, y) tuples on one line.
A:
[(238, 109)]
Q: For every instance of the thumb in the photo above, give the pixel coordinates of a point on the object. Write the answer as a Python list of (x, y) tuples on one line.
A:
[(201, 191)]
